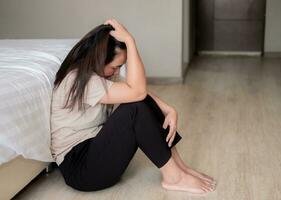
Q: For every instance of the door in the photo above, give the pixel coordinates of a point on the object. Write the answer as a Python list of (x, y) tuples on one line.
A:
[(230, 25)]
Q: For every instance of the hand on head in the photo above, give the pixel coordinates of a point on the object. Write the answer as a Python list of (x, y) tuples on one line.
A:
[(120, 32)]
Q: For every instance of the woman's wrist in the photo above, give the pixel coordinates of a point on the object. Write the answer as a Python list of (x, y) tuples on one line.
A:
[(169, 109), (129, 40)]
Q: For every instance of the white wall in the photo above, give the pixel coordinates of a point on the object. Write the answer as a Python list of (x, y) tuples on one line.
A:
[(272, 41), (156, 25), (188, 35), (186, 31)]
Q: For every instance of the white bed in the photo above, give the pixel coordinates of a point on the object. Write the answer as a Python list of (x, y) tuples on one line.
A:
[(27, 72)]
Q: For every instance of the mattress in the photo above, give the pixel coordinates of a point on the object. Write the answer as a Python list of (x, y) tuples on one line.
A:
[(27, 73)]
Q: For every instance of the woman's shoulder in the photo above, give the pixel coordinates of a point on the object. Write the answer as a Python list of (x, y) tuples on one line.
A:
[(94, 79), (66, 82)]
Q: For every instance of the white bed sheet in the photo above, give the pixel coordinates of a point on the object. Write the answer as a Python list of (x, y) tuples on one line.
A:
[(27, 73)]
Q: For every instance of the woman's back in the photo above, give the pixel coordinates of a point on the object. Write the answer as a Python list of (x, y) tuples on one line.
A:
[(70, 128)]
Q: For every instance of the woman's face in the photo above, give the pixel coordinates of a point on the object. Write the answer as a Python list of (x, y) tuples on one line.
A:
[(113, 67)]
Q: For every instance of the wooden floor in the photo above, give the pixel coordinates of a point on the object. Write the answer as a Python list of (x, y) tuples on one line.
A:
[(230, 120)]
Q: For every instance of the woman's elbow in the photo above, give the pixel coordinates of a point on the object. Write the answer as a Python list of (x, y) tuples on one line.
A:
[(142, 95)]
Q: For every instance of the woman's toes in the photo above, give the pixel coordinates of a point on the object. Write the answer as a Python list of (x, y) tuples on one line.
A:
[(209, 186), (209, 177), (211, 182), (205, 177), (213, 187), (206, 189), (207, 182), (214, 183)]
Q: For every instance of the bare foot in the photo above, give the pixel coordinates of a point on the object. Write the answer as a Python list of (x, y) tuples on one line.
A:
[(199, 175), (189, 183), (189, 170)]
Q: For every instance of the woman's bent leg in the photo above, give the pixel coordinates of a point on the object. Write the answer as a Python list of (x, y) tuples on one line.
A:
[(160, 117), (131, 125)]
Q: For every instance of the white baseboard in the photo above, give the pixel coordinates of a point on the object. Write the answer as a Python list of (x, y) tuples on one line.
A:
[(230, 53)]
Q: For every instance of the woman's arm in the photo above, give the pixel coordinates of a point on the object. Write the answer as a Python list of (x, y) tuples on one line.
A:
[(171, 117), (135, 76), (163, 105), (134, 87)]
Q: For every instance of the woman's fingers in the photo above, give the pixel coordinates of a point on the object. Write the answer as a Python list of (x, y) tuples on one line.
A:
[(171, 135), (171, 130), (111, 22), (172, 138), (115, 20), (165, 124), (120, 32), (108, 21)]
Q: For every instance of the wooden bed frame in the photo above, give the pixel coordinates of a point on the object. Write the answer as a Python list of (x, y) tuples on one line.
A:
[(17, 173)]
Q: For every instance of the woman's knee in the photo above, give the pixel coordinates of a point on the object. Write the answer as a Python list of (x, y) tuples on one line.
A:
[(131, 109), (135, 103)]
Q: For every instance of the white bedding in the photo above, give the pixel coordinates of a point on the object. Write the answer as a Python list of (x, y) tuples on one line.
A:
[(27, 73)]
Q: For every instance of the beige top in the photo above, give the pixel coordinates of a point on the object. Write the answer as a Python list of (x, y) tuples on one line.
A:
[(70, 128)]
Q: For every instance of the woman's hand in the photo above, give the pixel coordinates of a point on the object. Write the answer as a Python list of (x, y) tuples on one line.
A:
[(171, 119), (120, 33)]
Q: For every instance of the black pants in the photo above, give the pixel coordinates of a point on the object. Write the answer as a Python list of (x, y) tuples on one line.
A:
[(99, 162)]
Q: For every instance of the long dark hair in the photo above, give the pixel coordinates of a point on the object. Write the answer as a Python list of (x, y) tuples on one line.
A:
[(90, 55)]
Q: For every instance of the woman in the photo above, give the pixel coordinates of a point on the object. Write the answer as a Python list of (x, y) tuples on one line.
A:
[(93, 146)]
